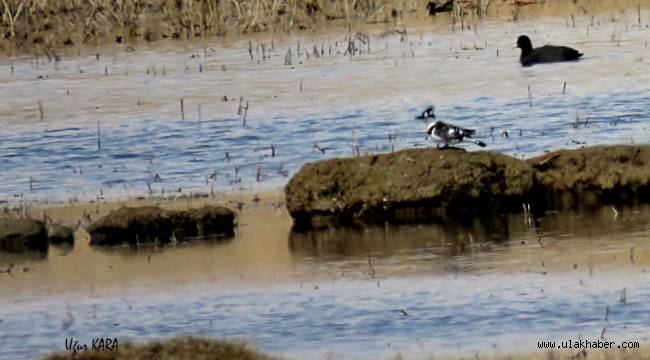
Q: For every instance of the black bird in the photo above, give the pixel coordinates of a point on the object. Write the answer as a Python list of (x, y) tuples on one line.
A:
[(544, 54), (428, 113), (434, 7), (451, 134)]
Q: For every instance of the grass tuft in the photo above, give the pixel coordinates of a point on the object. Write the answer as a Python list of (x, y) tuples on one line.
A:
[(174, 349)]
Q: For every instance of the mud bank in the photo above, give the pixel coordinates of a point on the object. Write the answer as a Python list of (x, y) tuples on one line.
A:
[(434, 184), (20, 235), (152, 224), (588, 177)]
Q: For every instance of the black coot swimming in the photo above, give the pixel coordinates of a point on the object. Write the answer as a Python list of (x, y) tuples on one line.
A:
[(544, 54)]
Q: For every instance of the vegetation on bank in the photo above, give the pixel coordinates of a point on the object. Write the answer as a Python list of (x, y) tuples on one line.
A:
[(49, 26), (174, 349), (45, 25)]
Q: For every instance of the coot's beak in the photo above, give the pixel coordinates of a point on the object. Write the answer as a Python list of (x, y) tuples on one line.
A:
[(515, 45)]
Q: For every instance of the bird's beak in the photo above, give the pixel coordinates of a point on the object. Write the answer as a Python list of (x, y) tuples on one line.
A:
[(426, 137), (514, 46)]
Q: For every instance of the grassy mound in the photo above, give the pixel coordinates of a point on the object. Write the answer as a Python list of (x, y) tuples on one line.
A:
[(174, 349), (434, 184)]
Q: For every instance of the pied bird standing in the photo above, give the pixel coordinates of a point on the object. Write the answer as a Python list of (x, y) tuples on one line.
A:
[(448, 133)]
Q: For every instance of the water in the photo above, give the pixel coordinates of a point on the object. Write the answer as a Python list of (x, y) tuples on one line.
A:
[(332, 102), (465, 288), (355, 319), (183, 154)]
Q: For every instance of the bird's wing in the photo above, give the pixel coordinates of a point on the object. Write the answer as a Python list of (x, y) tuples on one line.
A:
[(469, 132), (549, 53)]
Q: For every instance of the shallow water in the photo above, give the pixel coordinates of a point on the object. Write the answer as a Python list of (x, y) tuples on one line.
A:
[(332, 102), (465, 288), (487, 287), (447, 315)]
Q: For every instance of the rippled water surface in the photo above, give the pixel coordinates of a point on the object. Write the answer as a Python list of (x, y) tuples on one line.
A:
[(110, 126), (451, 289), (318, 107), (357, 319)]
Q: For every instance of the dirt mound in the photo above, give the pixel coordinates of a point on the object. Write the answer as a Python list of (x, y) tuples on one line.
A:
[(592, 176), (155, 225), (19, 235), (435, 184), (59, 234), (409, 185)]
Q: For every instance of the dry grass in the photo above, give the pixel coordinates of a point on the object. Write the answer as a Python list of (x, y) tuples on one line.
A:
[(46, 25), (174, 349)]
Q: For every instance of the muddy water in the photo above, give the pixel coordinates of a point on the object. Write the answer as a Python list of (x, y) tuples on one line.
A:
[(328, 101), (474, 287)]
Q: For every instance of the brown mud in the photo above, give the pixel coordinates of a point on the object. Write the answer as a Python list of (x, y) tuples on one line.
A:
[(149, 224)]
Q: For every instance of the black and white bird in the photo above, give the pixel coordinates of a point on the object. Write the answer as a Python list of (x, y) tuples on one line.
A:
[(451, 134), (428, 113), (448, 133)]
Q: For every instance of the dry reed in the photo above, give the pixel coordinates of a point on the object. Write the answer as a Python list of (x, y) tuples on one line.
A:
[(45, 25)]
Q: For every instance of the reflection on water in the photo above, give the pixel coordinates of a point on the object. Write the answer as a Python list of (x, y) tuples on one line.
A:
[(342, 291), (512, 241), (450, 239)]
